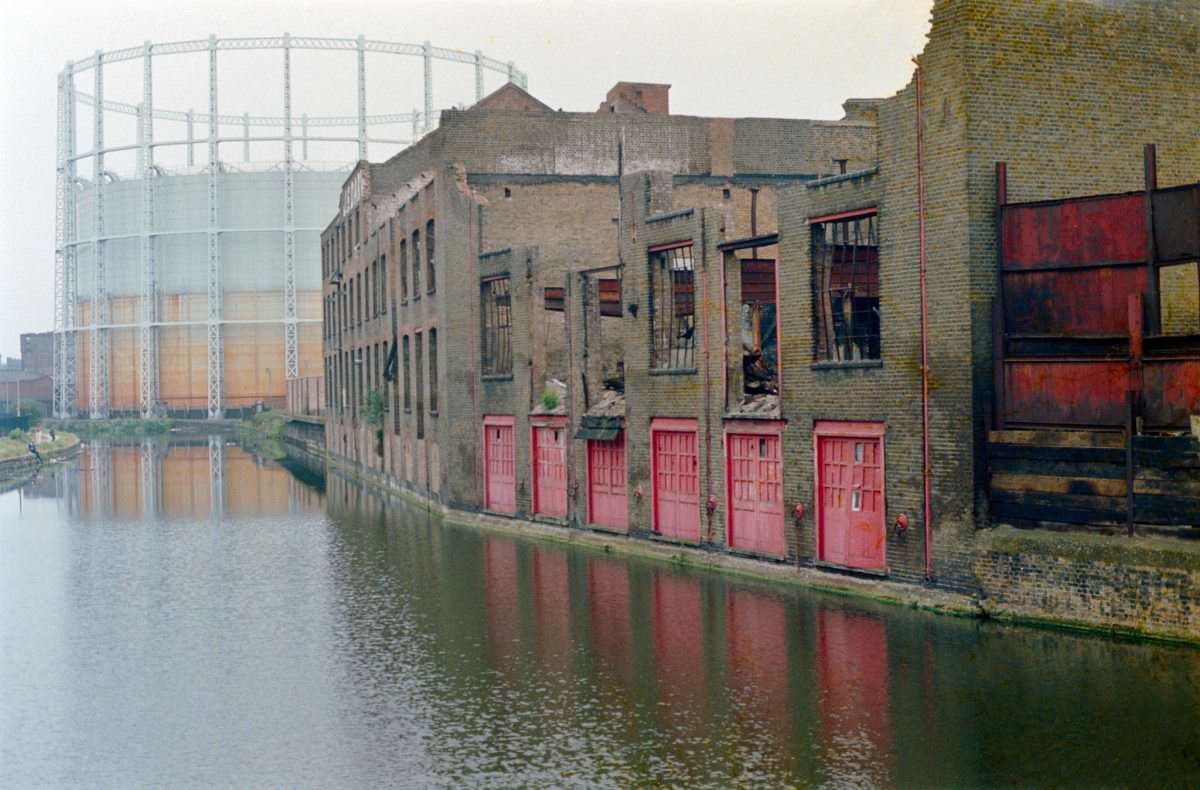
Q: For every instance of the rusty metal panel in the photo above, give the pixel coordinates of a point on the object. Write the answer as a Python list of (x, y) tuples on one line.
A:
[(1066, 392), (1085, 301), (1075, 232), (1171, 391), (1177, 223)]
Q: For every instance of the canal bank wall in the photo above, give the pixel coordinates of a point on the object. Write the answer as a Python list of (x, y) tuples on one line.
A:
[(16, 471), (1140, 587)]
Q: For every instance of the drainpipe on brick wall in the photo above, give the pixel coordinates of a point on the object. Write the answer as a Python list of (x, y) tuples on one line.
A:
[(924, 323), (707, 380)]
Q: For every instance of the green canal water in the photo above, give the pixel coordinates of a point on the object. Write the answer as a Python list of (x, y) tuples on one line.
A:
[(189, 615)]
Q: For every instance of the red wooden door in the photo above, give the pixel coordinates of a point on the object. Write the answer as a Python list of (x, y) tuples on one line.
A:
[(755, 468), (676, 484), (550, 470), (499, 467), (851, 508), (608, 502)]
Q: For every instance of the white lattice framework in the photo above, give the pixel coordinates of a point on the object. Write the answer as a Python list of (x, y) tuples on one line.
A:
[(249, 128)]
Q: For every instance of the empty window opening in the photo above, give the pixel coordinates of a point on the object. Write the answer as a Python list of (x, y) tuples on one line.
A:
[(496, 309), (672, 309), (604, 342), (552, 397), (845, 273), (1179, 298), (758, 315)]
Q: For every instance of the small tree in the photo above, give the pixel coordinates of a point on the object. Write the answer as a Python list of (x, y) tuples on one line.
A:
[(374, 411)]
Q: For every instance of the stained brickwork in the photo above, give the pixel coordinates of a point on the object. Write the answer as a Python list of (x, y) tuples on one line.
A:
[(1065, 93)]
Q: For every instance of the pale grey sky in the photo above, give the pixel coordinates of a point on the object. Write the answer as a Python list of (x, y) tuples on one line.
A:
[(782, 58)]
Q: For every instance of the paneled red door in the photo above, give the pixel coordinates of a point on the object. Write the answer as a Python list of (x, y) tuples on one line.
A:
[(676, 480), (608, 498), (850, 508), (755, 469), (499, 465), (550, 469)]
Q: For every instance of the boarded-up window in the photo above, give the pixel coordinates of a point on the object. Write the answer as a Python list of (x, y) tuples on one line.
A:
[(845, 276), (383, 292), (431, 275), (672, 308), (496, 307)]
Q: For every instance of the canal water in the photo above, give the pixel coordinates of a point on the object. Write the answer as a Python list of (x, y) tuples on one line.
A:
[(188, 614)]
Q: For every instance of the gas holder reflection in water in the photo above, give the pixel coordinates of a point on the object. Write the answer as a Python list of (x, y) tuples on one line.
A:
[(446, 657)]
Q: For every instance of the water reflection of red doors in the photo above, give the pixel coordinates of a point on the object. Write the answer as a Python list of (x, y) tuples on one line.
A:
[(678, 622), (552, 608), (499, 465), (608, 609), (853, 675), (756, 632), (501, 591)]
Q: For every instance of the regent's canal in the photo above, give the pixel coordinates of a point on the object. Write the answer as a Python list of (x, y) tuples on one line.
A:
[(159, 629)]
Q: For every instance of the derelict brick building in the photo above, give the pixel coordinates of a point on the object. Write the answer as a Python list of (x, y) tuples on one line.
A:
[(750, 319)]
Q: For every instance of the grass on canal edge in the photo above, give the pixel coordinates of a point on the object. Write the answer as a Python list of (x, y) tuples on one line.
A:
[(15, 445), (122, 427)]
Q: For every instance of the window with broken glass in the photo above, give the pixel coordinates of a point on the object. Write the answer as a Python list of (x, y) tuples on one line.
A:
[(496, 309), (672, 308), (845, 272)]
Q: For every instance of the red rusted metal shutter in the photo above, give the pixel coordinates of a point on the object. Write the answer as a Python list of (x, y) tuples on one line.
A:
[(550, 469), (608, 503), (676, 479), (755, 471), (499, 467), (850, 513)]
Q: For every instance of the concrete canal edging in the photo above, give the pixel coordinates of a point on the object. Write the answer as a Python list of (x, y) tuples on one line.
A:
[(1141, 588)]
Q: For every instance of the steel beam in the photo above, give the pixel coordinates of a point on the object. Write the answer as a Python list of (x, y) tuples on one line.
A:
[(98, 348), (215, 362), (428, 58), (478, 75), (362, 98), (60, 244), (291, 360), (70, 257), (148, 345), (216, 476)]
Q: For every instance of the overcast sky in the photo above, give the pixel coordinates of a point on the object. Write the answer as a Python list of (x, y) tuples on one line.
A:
[(784, 58)]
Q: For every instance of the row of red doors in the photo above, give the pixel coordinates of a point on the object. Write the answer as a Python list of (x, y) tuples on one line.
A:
[(849, 507)]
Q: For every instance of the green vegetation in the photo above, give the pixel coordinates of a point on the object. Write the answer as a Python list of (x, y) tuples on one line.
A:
[(15, 446), (263, 433), (374, 411), (550, 399), (119, 427)]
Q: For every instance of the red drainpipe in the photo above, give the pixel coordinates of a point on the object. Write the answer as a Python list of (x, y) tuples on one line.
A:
[(924, 325)]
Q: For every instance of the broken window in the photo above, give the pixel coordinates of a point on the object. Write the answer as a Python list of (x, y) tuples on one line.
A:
[(845, 253), (672, 308), (430, 275), (496, 306), (758, 313)]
